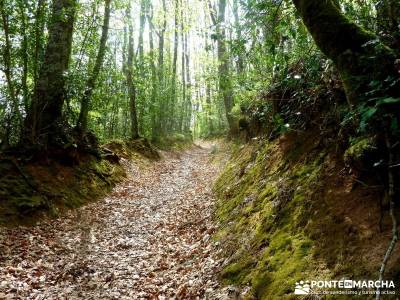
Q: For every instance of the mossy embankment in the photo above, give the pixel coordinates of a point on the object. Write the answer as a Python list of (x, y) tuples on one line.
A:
[(291, 210), (174, 142), (34, 188)]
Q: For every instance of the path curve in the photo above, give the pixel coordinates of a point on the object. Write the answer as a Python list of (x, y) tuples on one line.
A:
[(149, 239)]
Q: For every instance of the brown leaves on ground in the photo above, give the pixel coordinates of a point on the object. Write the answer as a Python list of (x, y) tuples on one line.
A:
[(149, 239)]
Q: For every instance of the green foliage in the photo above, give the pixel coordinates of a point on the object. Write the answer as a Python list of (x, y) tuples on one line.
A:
[(268, 46)]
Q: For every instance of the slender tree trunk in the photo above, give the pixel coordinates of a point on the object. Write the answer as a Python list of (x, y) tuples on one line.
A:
[(209, 109), (358, 54), (140, 91), (171, 104), (91, 28), (188, 108), (183, 101), (153, 100), (39, 33), (208, 97), (225, 84), (161, 122), (8, 70), (161, 45), (91, 83), (240, 61), (129, 80), (24, 55), (142, 21), (45, 114)]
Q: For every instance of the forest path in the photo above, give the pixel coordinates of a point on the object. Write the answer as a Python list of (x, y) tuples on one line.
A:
[(149, 239)]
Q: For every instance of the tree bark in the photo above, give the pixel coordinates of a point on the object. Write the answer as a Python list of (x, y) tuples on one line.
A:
[(91, 83), (45, 113), (240, 60), (153, 100), (24, 55), (39, 32), (183, 74), (208, 93), (161, 121), (141, 32), (225, 85), (358, 54), (8, 70), (129, 80), (188, 106), (171, 104)]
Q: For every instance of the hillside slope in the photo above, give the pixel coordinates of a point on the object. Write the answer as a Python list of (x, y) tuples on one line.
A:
[(291, 210), (33, 187)]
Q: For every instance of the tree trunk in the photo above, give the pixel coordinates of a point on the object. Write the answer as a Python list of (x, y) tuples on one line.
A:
[(91, 83), (8, 65), (129, 80), (162, 115), (183, 101), (153, 100), (358, 54), (45, 113), (240, 60), (171, 104), (24, 54), (188, 106), (141, 31), (225, 84), (140, 63), (39, 33)]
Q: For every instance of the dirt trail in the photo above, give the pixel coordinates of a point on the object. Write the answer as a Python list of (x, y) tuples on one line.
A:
[(149, 239)]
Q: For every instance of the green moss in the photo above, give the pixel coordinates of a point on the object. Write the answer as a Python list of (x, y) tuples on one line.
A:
[(175, 141), (254, 228), (237, 272), (133, 149), (280, 265), (359, 149), (29, 191), (25, 203)]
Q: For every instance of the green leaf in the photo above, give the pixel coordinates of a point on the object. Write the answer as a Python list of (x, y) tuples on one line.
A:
[(389, 100), (368, 113)]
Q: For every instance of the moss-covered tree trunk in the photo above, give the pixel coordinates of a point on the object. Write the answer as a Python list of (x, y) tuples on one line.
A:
[(43, 120), (358, 54)]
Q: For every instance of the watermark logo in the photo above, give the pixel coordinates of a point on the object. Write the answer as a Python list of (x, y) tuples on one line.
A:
[(344, 287), (302, 288)]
